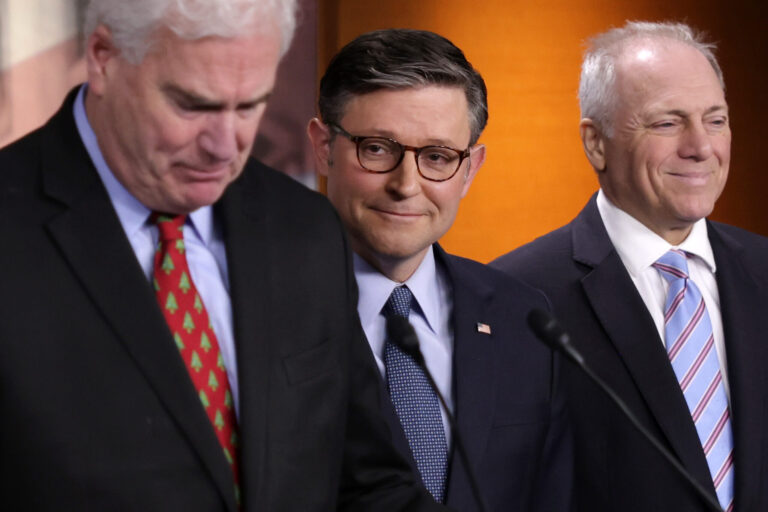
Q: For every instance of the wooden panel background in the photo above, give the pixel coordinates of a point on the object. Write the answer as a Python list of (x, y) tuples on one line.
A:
[(536, 177)]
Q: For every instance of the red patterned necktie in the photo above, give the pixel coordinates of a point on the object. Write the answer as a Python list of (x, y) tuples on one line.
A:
[(192, 330)]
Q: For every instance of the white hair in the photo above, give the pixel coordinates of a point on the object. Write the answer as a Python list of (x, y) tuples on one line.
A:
[(597, 95), (133, 22)]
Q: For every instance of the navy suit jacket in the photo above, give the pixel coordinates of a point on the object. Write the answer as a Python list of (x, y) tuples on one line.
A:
[(97, 409), (507, 400), (597, 302)]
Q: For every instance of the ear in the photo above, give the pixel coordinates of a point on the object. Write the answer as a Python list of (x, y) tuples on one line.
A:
[(100, 51), (320, 137), (476, 160), (594, 143)]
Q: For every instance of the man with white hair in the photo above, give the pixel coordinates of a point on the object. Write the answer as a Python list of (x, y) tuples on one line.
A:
[(664, 304), (177, 322)]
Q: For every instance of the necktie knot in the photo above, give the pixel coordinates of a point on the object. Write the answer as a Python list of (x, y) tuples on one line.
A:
[(170, 227), (673, 265), (399, 302)]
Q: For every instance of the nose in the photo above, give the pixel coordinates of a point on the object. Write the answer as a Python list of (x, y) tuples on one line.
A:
[(696, 142), (219, 138), (404, 181)]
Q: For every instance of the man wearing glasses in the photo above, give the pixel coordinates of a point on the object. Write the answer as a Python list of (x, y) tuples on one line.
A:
[(401, 112)]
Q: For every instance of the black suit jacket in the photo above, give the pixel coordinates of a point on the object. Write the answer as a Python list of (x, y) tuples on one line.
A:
[(507, 400), (97, 409), (596, 300)]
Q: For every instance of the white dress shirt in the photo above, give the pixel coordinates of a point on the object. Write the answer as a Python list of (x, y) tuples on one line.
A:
[(203, 241), (431, 313), (639, 247)]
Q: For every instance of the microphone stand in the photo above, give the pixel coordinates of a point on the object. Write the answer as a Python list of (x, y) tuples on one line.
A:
[(401, 332), (549, 331)]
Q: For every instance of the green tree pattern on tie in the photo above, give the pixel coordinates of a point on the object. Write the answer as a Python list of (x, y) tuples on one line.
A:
[(205, 342), (168, 265), (187, 318), (188, 324), (184, 285), (213, 382), (196, 364), (170, 303)]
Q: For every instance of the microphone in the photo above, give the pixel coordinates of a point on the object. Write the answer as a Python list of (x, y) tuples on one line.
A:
[(546, 327), (401, 333)]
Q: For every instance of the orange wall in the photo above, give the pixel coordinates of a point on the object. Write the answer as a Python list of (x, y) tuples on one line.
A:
[(536, 177)]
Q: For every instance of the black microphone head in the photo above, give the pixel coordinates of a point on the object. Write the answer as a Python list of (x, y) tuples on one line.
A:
[(546, 327), (401, 333)]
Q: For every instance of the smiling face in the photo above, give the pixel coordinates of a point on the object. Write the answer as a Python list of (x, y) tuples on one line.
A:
[(177, 129), (667, 162), (393, 218)]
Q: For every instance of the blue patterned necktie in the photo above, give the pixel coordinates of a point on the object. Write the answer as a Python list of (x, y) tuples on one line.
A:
[(691, 350), (416, 404)]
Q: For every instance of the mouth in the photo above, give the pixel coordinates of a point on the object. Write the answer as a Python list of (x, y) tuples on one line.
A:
[(693, 178), (397, 214), (204, 173)]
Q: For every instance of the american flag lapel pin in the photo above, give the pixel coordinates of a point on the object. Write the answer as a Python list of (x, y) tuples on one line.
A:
[(483, 328)]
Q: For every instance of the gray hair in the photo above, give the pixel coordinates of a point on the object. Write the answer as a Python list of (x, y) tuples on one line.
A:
[(401, 59), (597, 96), (133, 22)]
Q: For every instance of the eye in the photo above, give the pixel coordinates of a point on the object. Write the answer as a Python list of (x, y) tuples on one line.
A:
[(718, 121), (663, 125), (374, 147), (437, 156)]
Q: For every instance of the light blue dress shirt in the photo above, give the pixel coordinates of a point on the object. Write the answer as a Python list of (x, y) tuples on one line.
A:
[(206, 253), (431, 314)]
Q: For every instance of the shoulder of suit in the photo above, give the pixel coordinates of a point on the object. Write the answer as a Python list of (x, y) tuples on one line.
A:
[(20, 151), (493, 278), (549, 247), (739, 235), (284, 192)]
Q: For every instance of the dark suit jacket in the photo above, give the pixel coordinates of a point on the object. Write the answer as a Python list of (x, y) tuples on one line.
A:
[(596, 300), (97, 411), (507, 400)]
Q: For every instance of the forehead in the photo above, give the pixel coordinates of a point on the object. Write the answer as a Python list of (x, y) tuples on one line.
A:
[(666, 74), (214, 67), (425, 111)]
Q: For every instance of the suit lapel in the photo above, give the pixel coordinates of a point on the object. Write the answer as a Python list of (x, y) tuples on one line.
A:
[(630, 329), (92, 241), (473, 376), (250, 259), (742, 299)]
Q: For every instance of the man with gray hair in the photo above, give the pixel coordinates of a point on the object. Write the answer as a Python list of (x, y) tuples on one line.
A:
[(177, 322), (401, 113), (665, 305)]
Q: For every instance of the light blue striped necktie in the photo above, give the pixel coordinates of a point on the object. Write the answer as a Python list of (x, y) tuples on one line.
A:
[(416, 404), (692, 352)]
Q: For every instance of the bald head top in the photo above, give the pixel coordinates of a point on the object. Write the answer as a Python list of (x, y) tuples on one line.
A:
[(598, 95), (134, 23)]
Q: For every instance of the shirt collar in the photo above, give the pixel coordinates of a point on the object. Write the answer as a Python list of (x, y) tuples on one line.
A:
[(132, 214), (375, 289), (639, 247)]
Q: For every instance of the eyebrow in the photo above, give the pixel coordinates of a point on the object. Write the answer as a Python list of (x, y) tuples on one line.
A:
[(386, 134), (710, 110), (196, 101)]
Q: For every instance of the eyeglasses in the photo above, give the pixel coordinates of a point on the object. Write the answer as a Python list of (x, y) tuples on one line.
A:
[(381, 154)]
